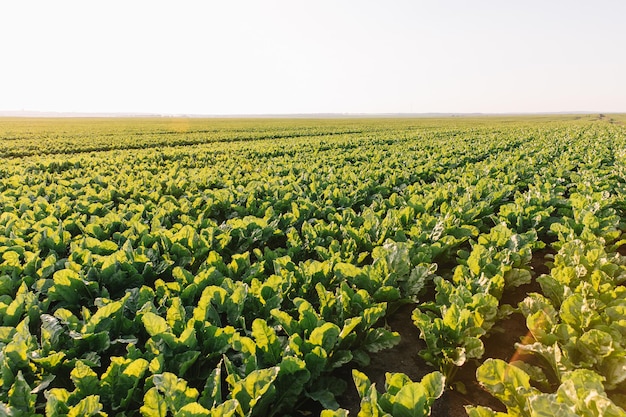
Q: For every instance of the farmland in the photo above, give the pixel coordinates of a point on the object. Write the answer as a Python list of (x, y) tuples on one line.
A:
[(227, 267)]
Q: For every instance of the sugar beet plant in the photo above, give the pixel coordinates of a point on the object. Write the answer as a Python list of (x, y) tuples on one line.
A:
[(231, 268)]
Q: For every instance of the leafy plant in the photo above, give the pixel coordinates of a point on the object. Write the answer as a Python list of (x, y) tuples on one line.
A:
[(581, 393), (402, 397)]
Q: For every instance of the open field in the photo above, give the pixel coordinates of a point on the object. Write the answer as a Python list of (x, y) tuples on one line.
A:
[(270, 267)]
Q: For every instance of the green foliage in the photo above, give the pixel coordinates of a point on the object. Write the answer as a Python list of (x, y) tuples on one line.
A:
[(581, 393), (230, 267), (453, 332), (402, 397)]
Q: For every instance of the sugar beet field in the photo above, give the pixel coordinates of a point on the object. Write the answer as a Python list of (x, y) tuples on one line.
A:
[(370, 267)]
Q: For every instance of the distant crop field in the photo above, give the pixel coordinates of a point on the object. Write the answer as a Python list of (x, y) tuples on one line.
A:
[(271, 267)]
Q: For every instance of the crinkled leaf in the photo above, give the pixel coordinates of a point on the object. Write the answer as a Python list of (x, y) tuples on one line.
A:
[(506, 382)]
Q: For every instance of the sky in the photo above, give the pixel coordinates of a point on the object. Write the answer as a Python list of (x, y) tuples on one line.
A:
[(324, 56)]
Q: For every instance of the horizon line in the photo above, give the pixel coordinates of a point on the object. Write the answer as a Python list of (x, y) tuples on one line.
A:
[(79, 114)]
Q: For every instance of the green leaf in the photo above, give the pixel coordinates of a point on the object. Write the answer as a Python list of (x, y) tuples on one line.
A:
[(452, 317), (188, 337), (395, 381), (547, 406), (577, 312), (88, 406), (379, 339), (552, 355), (20, 397), (372, 314), (326, 389), (507, 383), (334, 413), (154, 324), (516, 277), (7, 285), (417, 281), (595, 344), (85, 379), (250, 390), (289, 325), (552, 288), (211, 296), (339, 358), (362, 382), (348, 327), (56, 402), (396, 255), (387, 293), (346, 271), (325, 336), (227, 409), (17, 354), (212, 393), (536, 374), (434, 384), (474, 347), (614, 370), (267, 342), (43, 384), (583, 391), (67, 286), (181, 362), (193, 410), (119, 383), (541, 325), (153, 404), (309, 319), (292, 379), (235, 302), (175, 316), (51, 333), (480, 411), (175, 390), (370, 403), (477, 259), (411, 401), (325, 398)]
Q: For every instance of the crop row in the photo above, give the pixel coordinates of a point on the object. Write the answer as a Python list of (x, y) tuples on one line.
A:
[(234, 277), (576, 325)]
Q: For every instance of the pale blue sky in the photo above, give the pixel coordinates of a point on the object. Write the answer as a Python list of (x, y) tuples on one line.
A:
[(275, 57)]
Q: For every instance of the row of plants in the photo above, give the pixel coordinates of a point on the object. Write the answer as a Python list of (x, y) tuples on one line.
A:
[(575, 324), (236, 277)]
